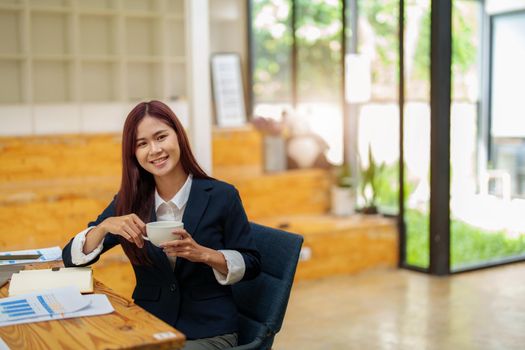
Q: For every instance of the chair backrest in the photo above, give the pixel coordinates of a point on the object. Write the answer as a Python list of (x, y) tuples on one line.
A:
[(262, 301)]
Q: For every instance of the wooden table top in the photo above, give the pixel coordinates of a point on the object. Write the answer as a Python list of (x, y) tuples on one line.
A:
[(129, 327)]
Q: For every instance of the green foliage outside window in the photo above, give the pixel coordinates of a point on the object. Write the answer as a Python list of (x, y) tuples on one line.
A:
[(469, 244), (383, 18), (388, 188), (464, 45), (319, 34), (318, 38), (272, 42)]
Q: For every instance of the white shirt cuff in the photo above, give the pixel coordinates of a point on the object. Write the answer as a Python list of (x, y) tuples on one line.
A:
[(77, 249), (236, 268)]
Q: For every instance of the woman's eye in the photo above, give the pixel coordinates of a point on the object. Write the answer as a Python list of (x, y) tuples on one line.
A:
[(141, 144), (161, 137)]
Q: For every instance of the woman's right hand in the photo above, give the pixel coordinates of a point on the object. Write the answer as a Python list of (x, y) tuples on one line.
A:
[(130, 227)]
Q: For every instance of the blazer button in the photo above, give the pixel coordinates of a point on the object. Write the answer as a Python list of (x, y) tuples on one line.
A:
[(173, 287)]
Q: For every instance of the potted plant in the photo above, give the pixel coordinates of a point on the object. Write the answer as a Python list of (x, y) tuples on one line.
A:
[(370, 184), (342, 192)]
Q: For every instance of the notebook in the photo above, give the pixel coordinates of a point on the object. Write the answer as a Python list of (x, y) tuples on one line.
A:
[(6, 271), (28, 281)]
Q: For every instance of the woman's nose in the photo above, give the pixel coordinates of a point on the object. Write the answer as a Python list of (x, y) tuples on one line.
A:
[(155, 148)]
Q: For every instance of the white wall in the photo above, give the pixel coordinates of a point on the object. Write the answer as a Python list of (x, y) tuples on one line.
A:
[(71, 118)]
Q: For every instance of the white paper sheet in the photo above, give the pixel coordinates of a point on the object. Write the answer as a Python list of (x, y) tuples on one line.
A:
[(48, 254), (99, 305), (45, 303)]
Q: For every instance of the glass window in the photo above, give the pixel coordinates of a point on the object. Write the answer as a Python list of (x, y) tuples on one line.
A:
[(487, 197), (318, 29), (417, 131), (378, 116)]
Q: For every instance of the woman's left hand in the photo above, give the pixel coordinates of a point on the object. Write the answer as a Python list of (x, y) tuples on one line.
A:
[(187, 248)]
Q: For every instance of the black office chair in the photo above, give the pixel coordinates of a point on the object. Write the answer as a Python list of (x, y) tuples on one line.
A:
[(262, 302)]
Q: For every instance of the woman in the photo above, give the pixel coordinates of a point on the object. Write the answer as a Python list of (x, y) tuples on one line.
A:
[(186, 281)]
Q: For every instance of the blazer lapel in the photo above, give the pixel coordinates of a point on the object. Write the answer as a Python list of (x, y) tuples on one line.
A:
[(196, 205), (195, 208)]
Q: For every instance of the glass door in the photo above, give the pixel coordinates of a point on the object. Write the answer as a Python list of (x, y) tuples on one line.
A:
[(487, 205)]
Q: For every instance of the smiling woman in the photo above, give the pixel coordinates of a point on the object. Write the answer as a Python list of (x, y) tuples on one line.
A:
[(186, 281), (158, 152)]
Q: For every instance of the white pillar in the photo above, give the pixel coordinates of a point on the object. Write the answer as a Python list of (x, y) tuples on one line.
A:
[(198, 80)]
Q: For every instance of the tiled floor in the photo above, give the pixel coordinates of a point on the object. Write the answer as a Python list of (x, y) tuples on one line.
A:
[(400, 309)]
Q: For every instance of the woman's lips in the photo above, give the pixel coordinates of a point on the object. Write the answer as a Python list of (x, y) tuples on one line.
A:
[(159, 162)]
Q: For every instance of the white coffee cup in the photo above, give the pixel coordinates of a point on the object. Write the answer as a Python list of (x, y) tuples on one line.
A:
[(162, 231)]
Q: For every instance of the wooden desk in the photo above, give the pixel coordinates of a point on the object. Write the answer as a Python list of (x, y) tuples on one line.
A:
[(129, 327)]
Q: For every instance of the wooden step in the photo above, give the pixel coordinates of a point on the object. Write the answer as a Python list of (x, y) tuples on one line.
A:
[(237, 147), (234, 151), (48, 212), (59, 156), (237, 152), (51, 210), (286, 193), (341, 245)]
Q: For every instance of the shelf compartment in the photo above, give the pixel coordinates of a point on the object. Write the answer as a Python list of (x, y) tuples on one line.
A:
[(177, 81), (96, 34), (49, 34), (10, 32), (138, 5), (10, 5), (48, 3), (144, 81), (51, 82), (175, 6), (141, 37), (97, 81), (11, 88), (176, 35), (96, 5)]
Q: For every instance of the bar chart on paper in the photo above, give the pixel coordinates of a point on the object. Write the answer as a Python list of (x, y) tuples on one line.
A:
[(16, 308), (54, 302), (30, 307)]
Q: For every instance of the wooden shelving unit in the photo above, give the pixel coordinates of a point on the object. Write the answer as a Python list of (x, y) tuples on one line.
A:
[(60, 51)]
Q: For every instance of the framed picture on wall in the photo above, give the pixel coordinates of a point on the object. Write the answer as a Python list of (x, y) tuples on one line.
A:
[(228, 90)]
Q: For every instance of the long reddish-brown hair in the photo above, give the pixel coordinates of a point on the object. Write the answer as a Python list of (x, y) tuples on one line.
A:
[(137, 188)]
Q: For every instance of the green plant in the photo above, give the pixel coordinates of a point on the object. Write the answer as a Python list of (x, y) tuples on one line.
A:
[(387, 198), (469, 245), (370, 181)]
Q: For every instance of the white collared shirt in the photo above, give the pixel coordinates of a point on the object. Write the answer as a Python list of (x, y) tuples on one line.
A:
[(170, 210)]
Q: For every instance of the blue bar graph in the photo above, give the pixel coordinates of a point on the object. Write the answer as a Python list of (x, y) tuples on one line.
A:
[(22, 313), (19, 301), (16, 308), (44, 304), (11, 307)]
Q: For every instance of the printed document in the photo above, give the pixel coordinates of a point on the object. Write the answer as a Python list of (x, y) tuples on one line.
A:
[(47, 254), (52, 304)]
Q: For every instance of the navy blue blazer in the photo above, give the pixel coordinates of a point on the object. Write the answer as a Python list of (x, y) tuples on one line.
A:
[(189, 297)]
